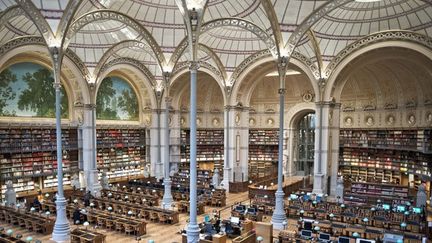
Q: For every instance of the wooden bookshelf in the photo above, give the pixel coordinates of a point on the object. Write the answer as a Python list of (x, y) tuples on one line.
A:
[(369, 192), (263, 152), (384, 155), (210, 149), (28, 156), (121, 152)]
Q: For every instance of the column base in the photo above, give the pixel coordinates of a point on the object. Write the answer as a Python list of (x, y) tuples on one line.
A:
[(319, 184), (167, 199), (279, 215), (192, 233), (93, 184), (61, 231), (226, 178)]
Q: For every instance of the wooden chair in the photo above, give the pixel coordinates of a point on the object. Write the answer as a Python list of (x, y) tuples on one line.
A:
[(29, 225), (129, 229), (154, 217), (91, 219), (100, 222), (119, 227), (163, 219), (109, 225)]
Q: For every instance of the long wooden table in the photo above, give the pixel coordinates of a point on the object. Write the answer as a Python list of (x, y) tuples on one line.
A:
[(28, 220), (132, 196), (9, 239), (85, 235)]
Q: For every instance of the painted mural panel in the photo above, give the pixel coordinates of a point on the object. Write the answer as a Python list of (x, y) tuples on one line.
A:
[(116, 100), (26, 89)]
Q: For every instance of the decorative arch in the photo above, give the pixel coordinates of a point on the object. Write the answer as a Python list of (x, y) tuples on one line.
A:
[(182, 47), (348, 55), (121, 45), (116, 16), (204, 67), (265, 57), (66, 19), (274, 23), (126, 60), (146, 84), (38, 19), (297, 112), (246, 25)]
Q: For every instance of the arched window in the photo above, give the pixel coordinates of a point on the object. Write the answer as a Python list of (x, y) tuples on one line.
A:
[(116, 100), (305, 144), (26, 90)]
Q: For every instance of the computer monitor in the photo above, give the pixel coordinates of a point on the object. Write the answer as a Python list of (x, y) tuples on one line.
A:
[(343, 240), (417, 210), (240, 208), (251, 210), (364, 241), (306, 197), (307, 225), (235, 220), (307, 234), (386, 206), (400, 208), (324, 237), (206, 218), (293, 196)]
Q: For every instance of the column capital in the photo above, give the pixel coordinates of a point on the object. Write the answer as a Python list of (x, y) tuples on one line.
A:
[(282, 91), (57, 85), (194, 66), (90, 106), (326, 103)]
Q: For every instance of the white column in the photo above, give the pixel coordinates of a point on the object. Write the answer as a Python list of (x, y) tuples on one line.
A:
[(227, 160), (333, 161), (167, 197), (89, 150), (321, 147), (231, 144), (175, 140), (289, 151), (238, 136), (155, 151)]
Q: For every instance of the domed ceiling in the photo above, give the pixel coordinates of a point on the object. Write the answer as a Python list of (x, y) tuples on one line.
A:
[(231, 43)]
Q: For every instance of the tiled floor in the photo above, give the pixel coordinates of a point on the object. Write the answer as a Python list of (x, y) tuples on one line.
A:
[(158, 232)]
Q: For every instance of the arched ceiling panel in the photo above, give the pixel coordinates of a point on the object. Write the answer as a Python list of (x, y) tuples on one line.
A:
[(161, 18), (355, 20), (17, 26), (4, 4), (94, 39), (251, 10), (232, 45)]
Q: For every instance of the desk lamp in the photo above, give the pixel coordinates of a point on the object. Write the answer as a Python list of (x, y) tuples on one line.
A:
[(151, 241), (317, 228), (331, 216), (260, 239), (29, 239), (47, 213), (365, 220), (284, 223), (356, 235), (403, 225), (9, 232), (373, 209), (86, 224), (32, 209)]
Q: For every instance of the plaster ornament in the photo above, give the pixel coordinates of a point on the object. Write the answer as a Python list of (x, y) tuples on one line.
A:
[(198, 121), (369, 121), (215, 122), (348, 121), (182, 120), (429, 118), (270, 122), (390, 120), (252, 122), (411, 120), (237, 119)]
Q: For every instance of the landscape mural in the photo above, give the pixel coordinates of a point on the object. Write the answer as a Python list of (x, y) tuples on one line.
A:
[(26, 89), (116, 100)]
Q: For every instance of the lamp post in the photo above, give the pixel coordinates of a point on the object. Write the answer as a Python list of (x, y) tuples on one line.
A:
[(167, 197)]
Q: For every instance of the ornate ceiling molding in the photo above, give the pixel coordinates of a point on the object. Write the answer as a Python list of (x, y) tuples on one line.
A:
[(178, 52), (246, 25), (115, 16), (10, 13), (122, 45), (274, 22), (38, 19), (67, 17), (315, 44), (310, 21), (215, 58), (185, 65), (399, 35), (129, 61), (264, 54)]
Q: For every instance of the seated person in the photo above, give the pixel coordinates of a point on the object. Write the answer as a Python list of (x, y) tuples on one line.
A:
[(36, 204), (76, 216)]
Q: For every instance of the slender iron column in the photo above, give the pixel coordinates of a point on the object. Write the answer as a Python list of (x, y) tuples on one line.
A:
[(279, 215), (61, 231), (167, 197), (193, 228)]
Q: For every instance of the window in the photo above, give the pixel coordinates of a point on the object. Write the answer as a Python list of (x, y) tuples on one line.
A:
[(305, 144)]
